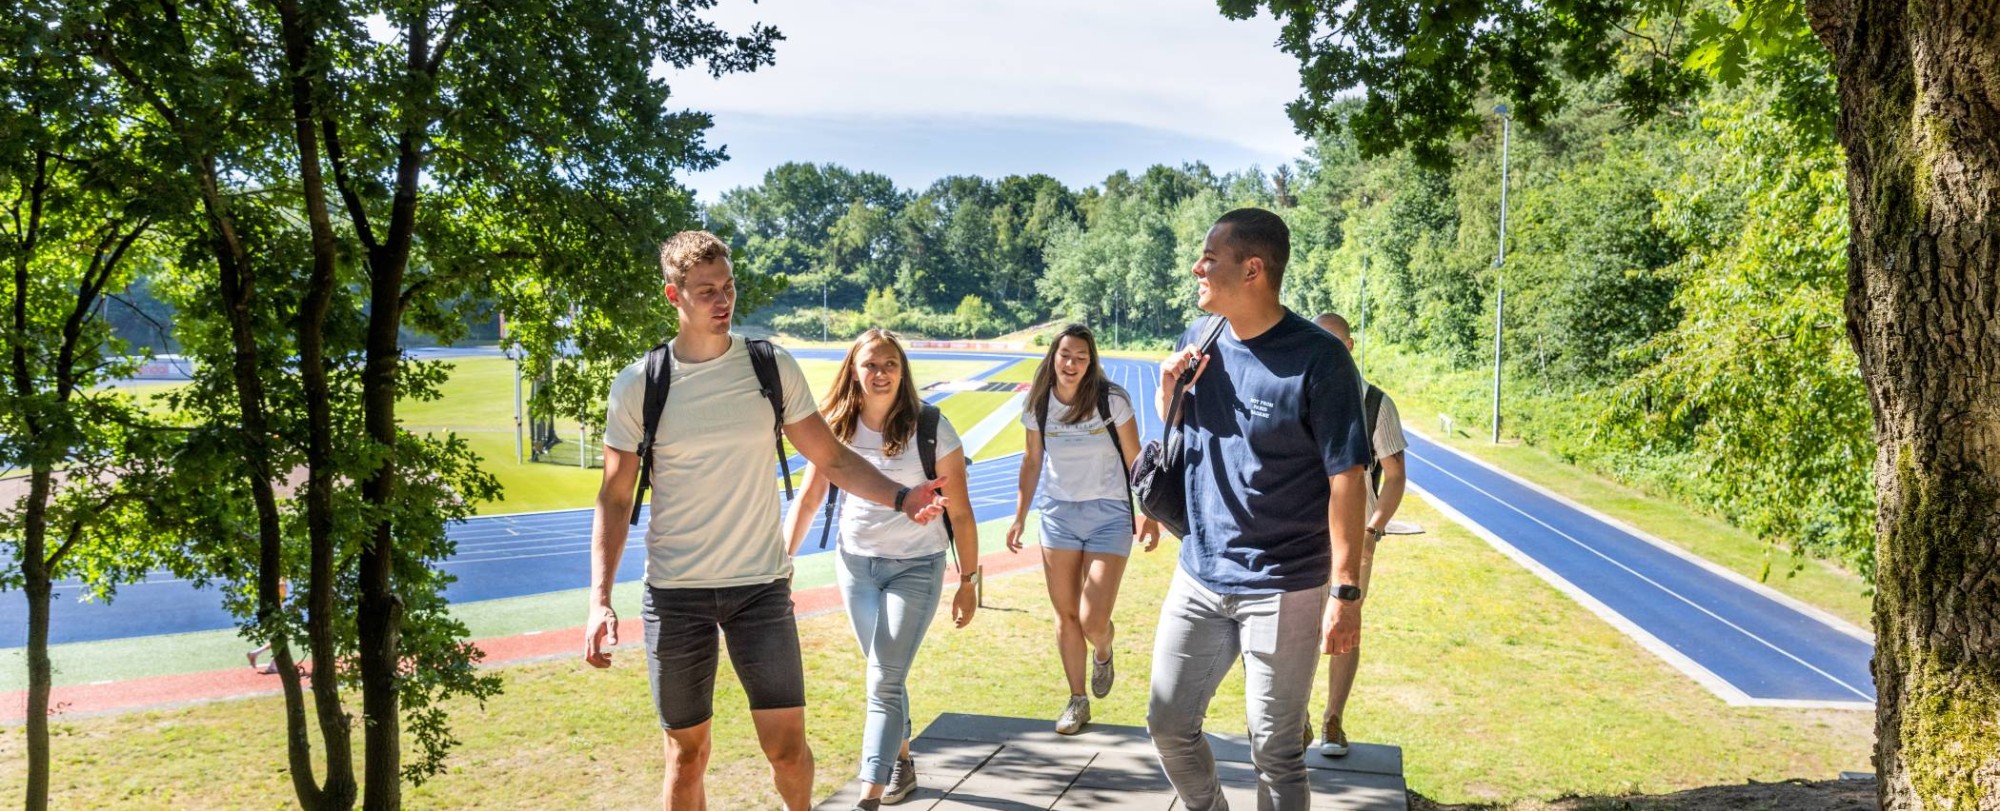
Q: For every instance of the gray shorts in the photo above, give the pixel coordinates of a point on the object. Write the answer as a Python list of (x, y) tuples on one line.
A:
[(1098, 527), (682, 648)]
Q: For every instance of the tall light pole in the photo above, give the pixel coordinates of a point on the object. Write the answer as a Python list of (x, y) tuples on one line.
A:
[(1361, 317), (1499, 269)]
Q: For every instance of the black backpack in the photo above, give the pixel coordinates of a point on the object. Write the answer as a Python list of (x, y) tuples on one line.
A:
[(659, 379), (1104, 412), (927, 428)]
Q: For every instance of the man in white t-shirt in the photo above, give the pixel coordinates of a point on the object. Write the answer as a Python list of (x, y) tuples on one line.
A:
[(1389, 444), (715, 555)]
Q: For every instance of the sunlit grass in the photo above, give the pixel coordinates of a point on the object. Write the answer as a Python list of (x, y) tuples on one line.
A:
[(1497, 687)]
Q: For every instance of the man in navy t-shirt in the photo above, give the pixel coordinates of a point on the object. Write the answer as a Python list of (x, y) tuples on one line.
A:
[(1276, 449)]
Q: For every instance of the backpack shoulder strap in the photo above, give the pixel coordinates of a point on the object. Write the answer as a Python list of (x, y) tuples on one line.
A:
[(927, 431), (826, 518), (1117, 445), (1371, 411), (764, 362), (1371, 408), (659, 379), (1041, 409)]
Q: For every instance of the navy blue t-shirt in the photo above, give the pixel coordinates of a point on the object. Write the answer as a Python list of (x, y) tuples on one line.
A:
[(1268, 423)]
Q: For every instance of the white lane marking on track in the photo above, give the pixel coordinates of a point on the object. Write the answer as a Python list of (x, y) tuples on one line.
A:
[(1824, 616), (1673, 658), (1649, 581)]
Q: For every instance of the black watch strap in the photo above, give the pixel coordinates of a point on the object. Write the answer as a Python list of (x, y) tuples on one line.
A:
[(901, 495), (1347, 592)]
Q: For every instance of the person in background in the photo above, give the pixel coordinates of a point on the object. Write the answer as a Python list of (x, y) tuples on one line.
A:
[(1081, 444), (1387, 478)]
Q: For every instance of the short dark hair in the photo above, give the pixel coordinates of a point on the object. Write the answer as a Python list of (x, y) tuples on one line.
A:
[(1259, 233)]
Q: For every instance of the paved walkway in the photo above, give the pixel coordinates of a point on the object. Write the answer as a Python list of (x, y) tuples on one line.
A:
[(982, 762)]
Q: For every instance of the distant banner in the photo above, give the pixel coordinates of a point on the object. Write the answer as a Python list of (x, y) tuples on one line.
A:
[(973, 346), (164, 367)]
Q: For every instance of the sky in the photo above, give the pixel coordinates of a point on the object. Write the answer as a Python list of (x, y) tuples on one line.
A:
[(923, 89)]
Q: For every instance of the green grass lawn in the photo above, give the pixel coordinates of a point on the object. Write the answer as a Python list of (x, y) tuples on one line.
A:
[(1023, 371), (1497, 687), (1012, 440)]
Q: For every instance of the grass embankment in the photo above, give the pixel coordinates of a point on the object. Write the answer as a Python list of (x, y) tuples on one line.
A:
[(1422, 392), (478, 404), (1497, 687)]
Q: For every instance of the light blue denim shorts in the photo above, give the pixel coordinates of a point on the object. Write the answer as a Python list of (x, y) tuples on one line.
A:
[(1099, 527)]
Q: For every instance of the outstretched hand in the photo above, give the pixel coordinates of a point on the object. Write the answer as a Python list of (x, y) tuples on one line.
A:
[(926, 501)]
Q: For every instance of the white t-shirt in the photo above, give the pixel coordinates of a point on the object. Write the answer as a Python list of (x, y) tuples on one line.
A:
[(715, 491), (1081, 463), (1389, 441), (878, 531)]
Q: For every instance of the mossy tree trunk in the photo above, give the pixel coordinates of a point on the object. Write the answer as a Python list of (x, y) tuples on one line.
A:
[(1919, 84)]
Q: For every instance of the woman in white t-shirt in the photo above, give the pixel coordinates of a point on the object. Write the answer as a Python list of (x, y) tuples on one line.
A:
[(1089, 443), (890, 569)]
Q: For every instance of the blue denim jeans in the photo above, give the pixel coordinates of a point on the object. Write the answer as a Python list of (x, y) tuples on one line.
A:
[(891, 602)]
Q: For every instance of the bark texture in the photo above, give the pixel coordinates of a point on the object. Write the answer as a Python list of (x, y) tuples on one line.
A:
[(1920, 119)]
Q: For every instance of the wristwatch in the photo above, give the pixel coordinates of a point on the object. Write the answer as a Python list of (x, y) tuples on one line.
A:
[(1372, 532), (901, 494), (1347, 592), (969, 578)]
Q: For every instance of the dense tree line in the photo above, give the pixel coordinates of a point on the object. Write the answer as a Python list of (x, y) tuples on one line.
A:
[(1672, 286)]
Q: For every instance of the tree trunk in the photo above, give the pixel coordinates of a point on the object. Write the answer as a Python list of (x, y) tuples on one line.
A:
[(35, 570), (315, 304), (380, 617), (239, 290), (1920, 120)]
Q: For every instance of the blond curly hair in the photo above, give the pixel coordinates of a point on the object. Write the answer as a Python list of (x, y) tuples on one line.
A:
[(683, 251)]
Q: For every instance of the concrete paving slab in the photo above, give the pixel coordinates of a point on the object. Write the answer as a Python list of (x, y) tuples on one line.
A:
[(984, 763)]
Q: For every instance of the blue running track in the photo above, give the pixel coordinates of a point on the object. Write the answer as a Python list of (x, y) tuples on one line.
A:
[(1741, 640), (1744, 642)]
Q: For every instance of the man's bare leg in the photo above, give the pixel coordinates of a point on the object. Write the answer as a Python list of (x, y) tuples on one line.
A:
[(687, 762), (782, 734)]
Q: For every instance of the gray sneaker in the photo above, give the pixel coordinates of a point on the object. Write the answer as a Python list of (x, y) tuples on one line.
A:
[(902, 781), (1074, 716), (1101, 676), (1333, 742)]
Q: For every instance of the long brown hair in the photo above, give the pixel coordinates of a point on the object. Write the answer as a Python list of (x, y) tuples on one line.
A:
[(1088, 390), (843, 402)]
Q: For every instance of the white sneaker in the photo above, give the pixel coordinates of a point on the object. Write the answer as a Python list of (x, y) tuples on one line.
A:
[(1074, 716)]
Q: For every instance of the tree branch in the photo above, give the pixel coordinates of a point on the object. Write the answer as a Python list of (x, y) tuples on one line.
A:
[(336, 153), (452, 28)]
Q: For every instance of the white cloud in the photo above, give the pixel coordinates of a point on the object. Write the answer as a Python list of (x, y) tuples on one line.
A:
[(1174, 65)]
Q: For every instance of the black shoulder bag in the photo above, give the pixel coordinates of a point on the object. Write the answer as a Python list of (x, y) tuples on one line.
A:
[(1160, 476)]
